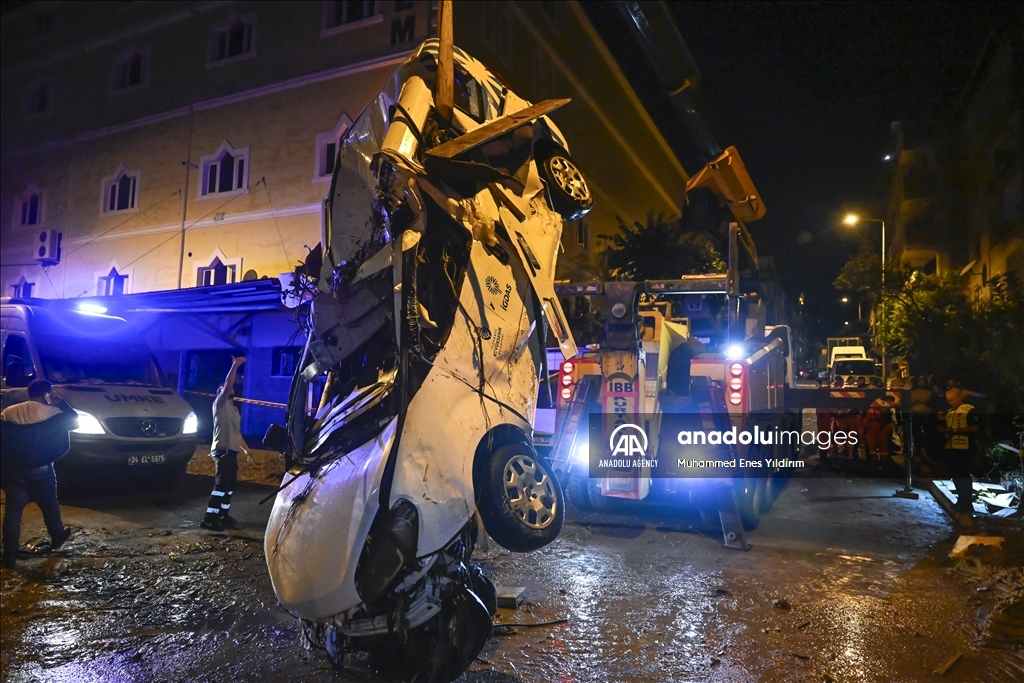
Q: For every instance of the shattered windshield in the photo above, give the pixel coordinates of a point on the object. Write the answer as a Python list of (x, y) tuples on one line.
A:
[(72, 360)]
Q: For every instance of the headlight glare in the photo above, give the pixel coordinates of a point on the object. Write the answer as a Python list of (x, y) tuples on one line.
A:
[(87, 424), (191, 424)]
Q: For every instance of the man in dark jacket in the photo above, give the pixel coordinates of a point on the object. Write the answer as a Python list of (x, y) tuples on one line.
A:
[(34, 435)]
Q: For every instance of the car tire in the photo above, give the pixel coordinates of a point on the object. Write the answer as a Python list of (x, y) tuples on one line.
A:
[(567, 187), (578, 494), (519, 498), (748, 499)]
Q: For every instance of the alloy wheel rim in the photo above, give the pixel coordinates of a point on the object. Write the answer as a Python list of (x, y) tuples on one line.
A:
[(569, 179), (530, 491)]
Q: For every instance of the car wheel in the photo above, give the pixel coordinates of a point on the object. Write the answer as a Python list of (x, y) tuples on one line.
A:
[(568, 188), (767, 492), (519, 498)]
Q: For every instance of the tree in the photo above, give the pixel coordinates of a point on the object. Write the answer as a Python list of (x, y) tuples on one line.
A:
[(658, 250), (930, 321)]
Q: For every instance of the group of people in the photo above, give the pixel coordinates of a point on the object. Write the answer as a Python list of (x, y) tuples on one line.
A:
[(943, 429), (36, 433)]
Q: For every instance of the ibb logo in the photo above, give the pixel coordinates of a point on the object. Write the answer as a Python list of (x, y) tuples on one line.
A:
[(629, 441)]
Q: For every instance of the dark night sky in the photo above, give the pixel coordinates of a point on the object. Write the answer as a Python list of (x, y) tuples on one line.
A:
[(807, 92)]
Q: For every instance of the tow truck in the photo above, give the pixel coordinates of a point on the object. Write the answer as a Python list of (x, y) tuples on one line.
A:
[(633, 377)]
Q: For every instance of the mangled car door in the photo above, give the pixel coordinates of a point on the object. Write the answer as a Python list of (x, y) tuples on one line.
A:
[(535, 240)]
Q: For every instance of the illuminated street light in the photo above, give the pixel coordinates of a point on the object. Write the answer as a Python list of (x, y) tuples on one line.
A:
[(845, 299), (852, 219)]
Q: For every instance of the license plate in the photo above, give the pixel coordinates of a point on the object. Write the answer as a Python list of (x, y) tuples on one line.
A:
[(146, 459)]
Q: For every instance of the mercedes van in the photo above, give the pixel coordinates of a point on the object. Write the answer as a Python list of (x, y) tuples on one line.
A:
[(131, 424)]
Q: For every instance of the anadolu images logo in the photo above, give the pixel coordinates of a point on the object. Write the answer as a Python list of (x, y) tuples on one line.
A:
[(629, 441)]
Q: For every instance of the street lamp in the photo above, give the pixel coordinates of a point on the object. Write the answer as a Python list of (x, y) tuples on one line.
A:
[(853, 219)]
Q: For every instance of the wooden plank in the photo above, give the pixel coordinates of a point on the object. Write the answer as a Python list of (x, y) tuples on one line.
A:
[(444, 88), (488, 132)]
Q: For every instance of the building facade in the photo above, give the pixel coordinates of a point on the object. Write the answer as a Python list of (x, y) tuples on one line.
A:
[(955, 200), (989, 164), (160, 146)]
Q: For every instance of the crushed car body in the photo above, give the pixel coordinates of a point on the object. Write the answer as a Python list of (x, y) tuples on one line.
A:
[(410, 417)]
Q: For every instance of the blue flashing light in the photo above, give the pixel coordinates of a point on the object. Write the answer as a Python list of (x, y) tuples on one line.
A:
[(94, 309)]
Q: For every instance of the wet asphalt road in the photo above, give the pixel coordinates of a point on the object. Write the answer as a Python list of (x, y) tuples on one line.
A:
[(142, 594)]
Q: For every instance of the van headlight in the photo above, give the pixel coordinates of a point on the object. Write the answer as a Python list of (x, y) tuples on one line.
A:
[(87, 424), (191, 424)]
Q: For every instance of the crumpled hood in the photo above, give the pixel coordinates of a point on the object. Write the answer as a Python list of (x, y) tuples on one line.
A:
[(318, 527)]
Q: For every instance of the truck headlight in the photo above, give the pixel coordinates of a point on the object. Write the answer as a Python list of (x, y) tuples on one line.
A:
[(191, 425), (87, 424), (581, 455)]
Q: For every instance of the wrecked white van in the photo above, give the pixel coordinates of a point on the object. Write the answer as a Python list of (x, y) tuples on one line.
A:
[(410, 419)]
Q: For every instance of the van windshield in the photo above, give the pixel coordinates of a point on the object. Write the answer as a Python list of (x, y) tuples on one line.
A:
[(74, 360), (854, 367)]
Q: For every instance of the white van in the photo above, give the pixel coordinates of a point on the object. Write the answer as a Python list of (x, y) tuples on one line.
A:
[(130, 422), (847, 353)]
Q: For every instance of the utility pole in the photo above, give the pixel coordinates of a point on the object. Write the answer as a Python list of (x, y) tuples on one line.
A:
[(184, 199)]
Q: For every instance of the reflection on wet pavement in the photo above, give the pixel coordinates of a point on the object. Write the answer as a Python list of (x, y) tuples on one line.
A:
[(841, 584)]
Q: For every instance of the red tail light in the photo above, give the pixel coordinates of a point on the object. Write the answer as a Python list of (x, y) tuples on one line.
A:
[(736, 384)]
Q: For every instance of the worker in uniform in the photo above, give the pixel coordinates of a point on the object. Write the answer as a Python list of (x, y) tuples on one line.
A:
[(960, 428), (226, 445), (878, 426), (35, 434)]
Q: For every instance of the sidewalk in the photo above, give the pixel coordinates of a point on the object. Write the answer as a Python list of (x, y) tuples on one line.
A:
[(944, 493)]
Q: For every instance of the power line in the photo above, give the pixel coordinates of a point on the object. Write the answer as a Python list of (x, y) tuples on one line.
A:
[(176, 235)]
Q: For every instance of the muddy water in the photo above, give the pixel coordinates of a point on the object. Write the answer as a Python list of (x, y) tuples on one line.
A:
[(843, 583)]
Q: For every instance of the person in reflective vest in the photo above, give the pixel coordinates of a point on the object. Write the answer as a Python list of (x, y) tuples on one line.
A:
[(960, 428)]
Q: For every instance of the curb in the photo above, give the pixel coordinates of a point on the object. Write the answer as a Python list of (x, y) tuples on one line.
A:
[(946, 503)]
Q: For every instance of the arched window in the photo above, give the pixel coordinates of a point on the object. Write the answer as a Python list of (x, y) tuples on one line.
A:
[(226, 170), (112, 284), (28, 207), (327, 146), (233, 39), (220, 270), (120, 191), (130, 69)]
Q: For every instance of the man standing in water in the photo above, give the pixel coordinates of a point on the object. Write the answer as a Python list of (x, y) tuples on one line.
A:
[(227, 443)]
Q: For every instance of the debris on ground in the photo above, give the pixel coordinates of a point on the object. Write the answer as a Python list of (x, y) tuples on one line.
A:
[(948, 664), (781, 603), (510, 597), (963, 546)]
